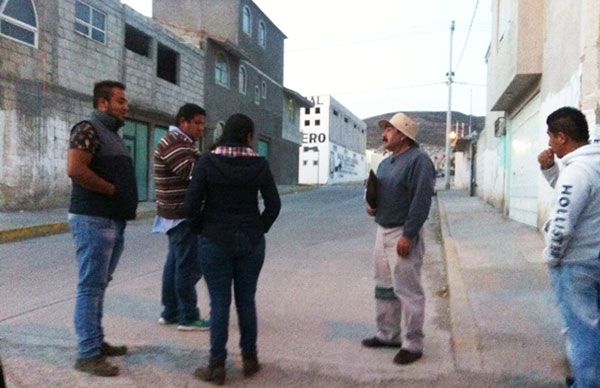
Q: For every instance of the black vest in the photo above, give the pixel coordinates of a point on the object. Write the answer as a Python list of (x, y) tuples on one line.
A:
[(112, 163)]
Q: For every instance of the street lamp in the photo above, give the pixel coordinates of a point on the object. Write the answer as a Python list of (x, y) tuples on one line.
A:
[(453, 135)]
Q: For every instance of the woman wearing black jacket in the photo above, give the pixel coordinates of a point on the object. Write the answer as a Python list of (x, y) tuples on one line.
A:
[(222, 206)]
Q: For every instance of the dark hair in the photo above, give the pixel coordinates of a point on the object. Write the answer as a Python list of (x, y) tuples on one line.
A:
[(411, 143), (569, 121), (103, 89), (188, 111), (236, 131)]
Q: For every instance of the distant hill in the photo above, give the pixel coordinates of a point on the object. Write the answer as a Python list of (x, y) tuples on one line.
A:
[(432, 126)]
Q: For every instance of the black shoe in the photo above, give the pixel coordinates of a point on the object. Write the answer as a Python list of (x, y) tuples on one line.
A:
[(375, 342), (214, 372), (97, 366), (250, 364), (405, 357), (109, 350)]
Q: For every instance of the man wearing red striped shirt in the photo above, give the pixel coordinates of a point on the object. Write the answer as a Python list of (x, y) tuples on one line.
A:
[(174, 161)]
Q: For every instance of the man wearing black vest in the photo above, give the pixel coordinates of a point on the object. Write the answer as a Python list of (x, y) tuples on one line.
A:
[(103, 198)]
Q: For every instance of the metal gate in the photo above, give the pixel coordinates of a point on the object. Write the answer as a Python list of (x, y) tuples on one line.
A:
[(159, 133), (135, 135), (524, 168)]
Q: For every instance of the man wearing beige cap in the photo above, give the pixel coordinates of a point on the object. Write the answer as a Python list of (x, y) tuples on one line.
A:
[(404, 190)]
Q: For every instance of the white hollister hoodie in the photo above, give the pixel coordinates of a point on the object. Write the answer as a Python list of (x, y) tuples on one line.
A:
[(573, 230)]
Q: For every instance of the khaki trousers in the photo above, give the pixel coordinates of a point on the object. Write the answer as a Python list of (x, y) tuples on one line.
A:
[(399, 296)]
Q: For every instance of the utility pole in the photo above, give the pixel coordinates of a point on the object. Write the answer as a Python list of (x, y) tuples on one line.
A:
[(471, 112), (450, 75), (318, 165)]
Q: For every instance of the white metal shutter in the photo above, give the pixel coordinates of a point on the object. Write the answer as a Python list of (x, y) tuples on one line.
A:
[(524, 167)]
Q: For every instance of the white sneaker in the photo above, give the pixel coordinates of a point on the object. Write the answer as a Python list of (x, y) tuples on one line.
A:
[(163, 321)]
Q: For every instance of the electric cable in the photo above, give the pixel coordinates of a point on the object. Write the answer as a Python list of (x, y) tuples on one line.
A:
[(467, 38)]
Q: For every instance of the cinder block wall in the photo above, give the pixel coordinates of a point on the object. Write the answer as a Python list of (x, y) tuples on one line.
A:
[(45, 90)]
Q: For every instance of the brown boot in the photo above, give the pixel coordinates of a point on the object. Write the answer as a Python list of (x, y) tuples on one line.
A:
[(214, 372), (112, 351), (97, 366), (250, 364)]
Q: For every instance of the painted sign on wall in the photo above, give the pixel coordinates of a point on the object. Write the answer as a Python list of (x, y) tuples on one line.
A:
[(313, 138)]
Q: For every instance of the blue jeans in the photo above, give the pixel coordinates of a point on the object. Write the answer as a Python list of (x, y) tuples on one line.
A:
[(98, 244), (239, 263), (577, 287), (180, 275)]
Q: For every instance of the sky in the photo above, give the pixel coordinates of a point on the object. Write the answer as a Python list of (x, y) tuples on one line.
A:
[(381, 56)]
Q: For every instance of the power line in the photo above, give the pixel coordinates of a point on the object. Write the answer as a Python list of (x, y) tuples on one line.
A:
[(471, 84), (369, 40), (401, 87), (388, 89), (417, 30), (467, 38)]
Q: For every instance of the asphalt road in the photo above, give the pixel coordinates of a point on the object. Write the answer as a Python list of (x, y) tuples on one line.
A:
[(315, 304)]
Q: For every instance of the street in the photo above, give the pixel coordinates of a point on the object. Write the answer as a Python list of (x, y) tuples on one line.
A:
[(315, 303)]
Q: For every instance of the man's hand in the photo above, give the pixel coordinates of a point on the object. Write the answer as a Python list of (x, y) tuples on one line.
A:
[(371, 211), (78, 169), (546, 159), (404, 246)]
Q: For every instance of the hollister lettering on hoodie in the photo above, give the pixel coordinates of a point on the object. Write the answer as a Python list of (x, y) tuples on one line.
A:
[(572, 230)]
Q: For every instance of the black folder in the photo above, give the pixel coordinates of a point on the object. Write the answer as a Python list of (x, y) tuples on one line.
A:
[(371, 195)]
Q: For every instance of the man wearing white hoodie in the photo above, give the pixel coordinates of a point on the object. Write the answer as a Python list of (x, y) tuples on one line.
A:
[(573, 238)]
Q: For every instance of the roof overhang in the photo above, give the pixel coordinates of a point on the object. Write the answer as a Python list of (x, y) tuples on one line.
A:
[(520, 85), (301, 100), (229, 47)]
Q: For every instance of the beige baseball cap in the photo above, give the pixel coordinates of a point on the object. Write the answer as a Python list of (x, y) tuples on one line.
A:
[(402, 123)]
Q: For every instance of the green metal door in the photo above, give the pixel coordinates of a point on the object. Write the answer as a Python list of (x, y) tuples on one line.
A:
[(159, 133), (135, 135), (263, 148)]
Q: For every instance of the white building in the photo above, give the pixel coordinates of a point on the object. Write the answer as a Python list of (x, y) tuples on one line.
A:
[(334, 142), (535, 66), (374, 157)]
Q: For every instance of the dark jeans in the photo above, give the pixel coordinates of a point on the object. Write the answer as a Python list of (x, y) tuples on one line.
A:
[(180, 275), (239, 263)]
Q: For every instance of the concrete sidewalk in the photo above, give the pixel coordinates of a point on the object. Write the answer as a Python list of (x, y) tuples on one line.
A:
[(22, 225), (504, 319)]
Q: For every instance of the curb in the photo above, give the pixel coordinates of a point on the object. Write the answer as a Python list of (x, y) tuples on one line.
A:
[(29, 232), (465, 333), (19, 234)]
